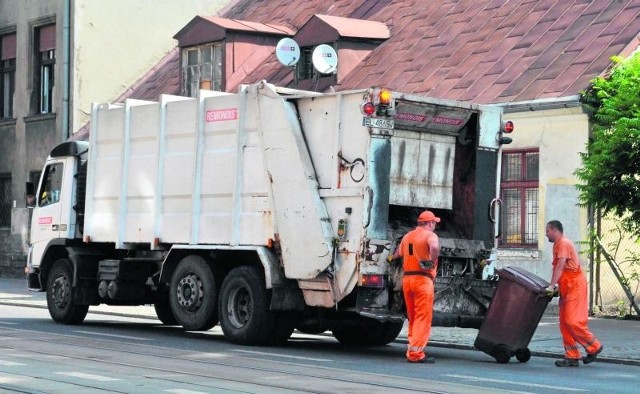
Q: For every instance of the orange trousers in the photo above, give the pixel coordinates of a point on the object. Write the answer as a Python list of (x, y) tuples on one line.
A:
[(573, 315), (418, 297)]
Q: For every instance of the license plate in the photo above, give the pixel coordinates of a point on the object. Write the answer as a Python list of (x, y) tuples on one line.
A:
[(380, 123)]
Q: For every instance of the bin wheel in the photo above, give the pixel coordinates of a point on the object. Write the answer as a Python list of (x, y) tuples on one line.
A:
[(523, 355), (502, 354)]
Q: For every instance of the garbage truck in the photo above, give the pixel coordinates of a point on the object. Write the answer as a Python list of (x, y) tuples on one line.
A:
[(269, 210)]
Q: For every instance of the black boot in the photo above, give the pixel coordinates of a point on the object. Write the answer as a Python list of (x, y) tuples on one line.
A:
[(567, 362), (591, 357)]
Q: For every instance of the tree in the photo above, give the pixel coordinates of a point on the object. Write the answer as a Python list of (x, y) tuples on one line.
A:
[(610, 172)]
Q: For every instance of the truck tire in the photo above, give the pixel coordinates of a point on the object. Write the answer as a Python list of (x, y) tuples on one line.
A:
[(193, 295), (244, 307), (61, 295), (312, 328), (364, 331), (388, 333), (163, 309), (284, 324)]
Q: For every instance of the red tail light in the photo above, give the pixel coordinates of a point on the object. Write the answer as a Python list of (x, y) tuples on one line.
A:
[(368, 108), (368, 280), (508, 127)]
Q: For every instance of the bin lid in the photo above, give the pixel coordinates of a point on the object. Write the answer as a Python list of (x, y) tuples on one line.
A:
[(525, 278)]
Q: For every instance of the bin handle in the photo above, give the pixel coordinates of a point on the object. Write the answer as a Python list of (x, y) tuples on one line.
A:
[(370, 205), (543, 295)]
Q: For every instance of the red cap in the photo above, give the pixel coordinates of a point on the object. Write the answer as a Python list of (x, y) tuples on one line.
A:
[(428, 216)]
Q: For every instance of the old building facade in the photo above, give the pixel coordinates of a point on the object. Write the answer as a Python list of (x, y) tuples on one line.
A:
[(57, 57)]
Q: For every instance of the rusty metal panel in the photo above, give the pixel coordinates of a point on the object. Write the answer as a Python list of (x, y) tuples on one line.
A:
[(422, 169), (433, 117), (300, 214)]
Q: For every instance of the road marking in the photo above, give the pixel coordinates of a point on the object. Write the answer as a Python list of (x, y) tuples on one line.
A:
[(9, 323), (88, 376), (113, 335), (7, 379), (206, 355), (14, 296), (544, 386), (10, 363), (183, 391), (280, 355)]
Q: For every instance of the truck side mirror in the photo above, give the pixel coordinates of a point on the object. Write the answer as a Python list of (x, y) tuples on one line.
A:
[(30, 196)]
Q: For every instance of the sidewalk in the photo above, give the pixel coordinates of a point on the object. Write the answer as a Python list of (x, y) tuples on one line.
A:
[(621, 338)]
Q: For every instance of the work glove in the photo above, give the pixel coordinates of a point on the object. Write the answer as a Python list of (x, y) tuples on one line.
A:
[(551, 291), (426, 264)]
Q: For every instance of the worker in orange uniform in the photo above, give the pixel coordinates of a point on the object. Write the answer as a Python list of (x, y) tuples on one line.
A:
[(572, 287), (419, 250)]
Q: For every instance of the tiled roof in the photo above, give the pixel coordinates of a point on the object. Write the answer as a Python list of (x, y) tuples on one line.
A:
[(163, 78), (248, 26), (356, 28), (487, 51), (239, 25), (480, 50)]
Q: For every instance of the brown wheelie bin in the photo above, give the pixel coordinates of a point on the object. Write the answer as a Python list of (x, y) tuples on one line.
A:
[(513, 315)]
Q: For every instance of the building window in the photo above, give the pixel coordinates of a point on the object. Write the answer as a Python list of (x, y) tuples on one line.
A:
[(5, 200), (201, 69), (7, 74), (45, 57), (34, 177), (519, 194), (304, 68)]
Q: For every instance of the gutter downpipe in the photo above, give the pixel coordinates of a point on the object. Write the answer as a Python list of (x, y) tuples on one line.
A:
[(541, 104), (66, 45)]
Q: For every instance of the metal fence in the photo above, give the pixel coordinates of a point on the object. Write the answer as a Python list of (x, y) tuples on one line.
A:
[(615, 272)]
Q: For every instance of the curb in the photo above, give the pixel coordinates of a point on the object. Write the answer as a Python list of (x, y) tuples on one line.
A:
[(603, 359)]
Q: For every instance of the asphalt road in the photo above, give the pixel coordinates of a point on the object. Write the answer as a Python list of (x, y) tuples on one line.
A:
[(131, 355)]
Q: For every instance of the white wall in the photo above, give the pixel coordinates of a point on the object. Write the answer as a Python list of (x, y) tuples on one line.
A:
[(560, 135), (116, 42)]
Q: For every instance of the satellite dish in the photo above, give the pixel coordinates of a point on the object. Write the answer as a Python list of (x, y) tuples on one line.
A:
[(324, 59), (288, 51)]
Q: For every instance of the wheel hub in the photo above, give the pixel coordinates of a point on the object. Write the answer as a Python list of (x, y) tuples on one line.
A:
[(190, 292), (60, 292), (240, 305)]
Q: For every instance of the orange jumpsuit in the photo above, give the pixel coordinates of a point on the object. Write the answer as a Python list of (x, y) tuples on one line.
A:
[(417, 286), (573, 303)]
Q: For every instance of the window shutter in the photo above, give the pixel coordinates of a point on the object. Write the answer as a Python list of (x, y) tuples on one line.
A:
[(47, 38), (8, 46)]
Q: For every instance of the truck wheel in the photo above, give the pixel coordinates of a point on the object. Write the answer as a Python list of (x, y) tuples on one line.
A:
[(61, 295), (163, 309), (193, 294), (364, 331), (284, 325), (312, 328), (348, 336), (244, 307), (388, 333)]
